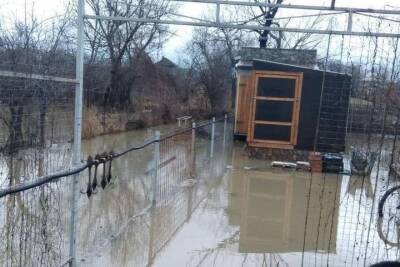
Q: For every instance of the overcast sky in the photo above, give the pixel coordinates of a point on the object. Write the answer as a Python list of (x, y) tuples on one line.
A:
[(48, 8), (197, 10)]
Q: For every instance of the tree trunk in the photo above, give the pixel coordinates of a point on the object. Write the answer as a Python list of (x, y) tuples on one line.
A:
[(113, 90), (42, 119), (16, 136), (117, 94), (263, 42), (217, 100)]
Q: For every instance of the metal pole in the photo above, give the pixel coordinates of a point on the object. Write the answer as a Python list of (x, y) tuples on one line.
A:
[(212, 137), (190, 203), (217, 13), (77, 131), (193, 147), (4, 73), (393, 11), (151, 237), (224, 137), (333, 4), (243, 27), (156, 166), (350, 22)]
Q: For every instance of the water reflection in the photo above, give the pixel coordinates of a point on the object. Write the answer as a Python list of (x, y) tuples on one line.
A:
[(246, 215), (277, 217), (32, 224), (112, 233), (360, 184), (280, 213)]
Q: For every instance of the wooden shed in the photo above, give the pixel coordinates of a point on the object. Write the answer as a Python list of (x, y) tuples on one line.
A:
[(291, 107)]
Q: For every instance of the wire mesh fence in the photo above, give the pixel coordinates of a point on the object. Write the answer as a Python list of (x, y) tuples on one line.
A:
[(178, 191), (36, 122), (33, 226), (158, 180)]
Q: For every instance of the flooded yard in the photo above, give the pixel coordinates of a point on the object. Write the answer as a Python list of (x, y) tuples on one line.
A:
[(262, 217), (225, 209), (253, 215)]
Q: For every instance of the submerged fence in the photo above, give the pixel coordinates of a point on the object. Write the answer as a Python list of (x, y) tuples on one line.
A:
[(161, 180)]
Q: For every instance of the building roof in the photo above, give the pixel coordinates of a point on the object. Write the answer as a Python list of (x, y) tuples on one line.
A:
[(167, 63), (299, 57)]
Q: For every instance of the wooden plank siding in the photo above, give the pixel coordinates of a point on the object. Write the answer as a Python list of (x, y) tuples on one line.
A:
[(243, 99)]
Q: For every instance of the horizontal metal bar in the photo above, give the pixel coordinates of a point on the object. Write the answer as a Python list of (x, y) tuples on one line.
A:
[(244, 27), (280, 123), (14, 74), (302, 7), (284, 99)]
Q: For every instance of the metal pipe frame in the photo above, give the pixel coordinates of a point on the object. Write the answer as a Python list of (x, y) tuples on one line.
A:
[(76, 157), (244, 27), (288, 6), (13, 74)]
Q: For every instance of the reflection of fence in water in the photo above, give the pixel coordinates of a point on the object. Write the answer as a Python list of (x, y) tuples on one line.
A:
[(33, 226), (36, 123), (175, 164), (169, 216), (39, 234), (106, 215), (34, 223)]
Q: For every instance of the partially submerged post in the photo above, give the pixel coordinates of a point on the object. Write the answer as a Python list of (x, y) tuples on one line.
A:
[(193, 150), (224, 137), (155, 177), (212, 137)]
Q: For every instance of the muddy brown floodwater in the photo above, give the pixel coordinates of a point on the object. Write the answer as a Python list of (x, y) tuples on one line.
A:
[(246, 214), (264, 217), (214, 207)]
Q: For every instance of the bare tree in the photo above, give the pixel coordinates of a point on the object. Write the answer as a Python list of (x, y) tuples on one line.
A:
[(119, 41), (265, 17), (212, 54), (30, 46), (213, 51)]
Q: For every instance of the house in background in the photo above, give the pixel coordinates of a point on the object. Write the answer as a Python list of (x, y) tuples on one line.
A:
[(290, 104)]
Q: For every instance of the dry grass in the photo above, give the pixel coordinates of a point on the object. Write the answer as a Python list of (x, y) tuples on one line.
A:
[(96, 123)]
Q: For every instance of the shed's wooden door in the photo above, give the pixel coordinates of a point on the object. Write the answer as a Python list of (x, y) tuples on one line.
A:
[(275, 109)]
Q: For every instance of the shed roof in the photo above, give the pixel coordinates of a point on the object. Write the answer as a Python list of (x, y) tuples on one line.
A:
[(300, 57), (246, 65)]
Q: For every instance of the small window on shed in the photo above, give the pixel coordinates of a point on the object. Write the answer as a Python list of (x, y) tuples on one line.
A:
[(276, 87), (269, 110)]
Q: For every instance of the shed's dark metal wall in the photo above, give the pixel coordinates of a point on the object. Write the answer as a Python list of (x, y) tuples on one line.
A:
[(335, 101), (334, 111)]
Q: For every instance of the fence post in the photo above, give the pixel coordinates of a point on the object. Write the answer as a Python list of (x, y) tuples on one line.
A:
[(154, 179), (224, 137), (193, 147), (77, 133), (212, 137), (150, 256)]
